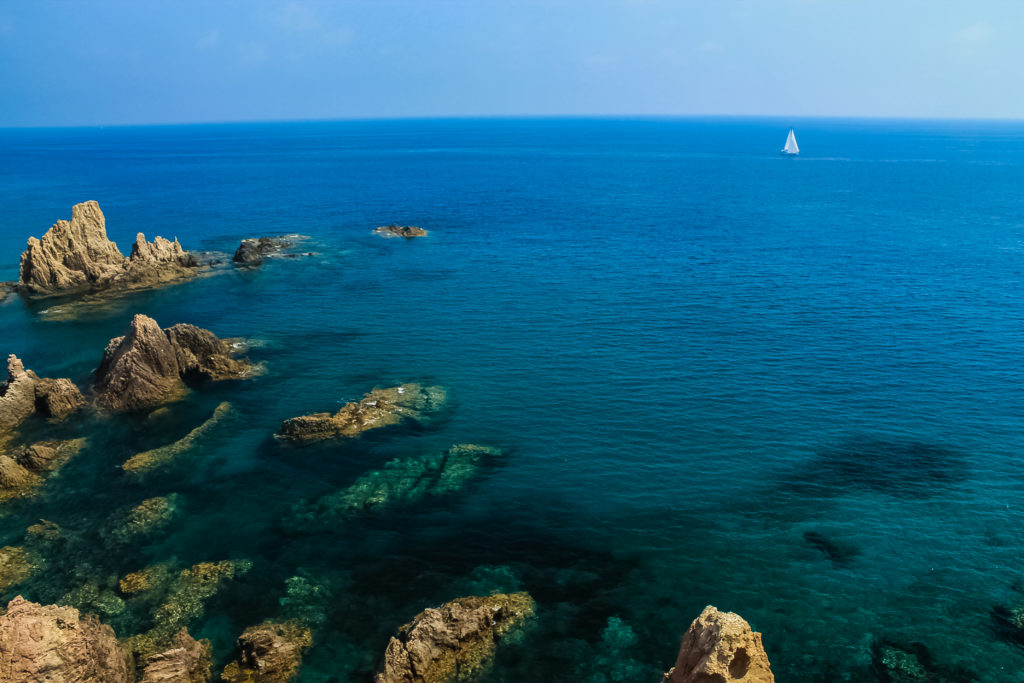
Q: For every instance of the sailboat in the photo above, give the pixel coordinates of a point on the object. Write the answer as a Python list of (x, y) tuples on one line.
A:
[(791, 148)]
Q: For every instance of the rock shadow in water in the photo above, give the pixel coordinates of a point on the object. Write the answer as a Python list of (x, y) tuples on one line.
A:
[(840, 553)]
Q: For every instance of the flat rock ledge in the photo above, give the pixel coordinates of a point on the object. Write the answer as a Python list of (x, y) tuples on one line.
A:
[(454, 641), (720, 647), (407, 231), (150, 366), (76, 257), (379, 408)]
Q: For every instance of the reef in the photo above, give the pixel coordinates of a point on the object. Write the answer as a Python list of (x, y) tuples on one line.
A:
[(146, 518), (251, 252), (158, 457), (454, 641), (269, 653), (185, 661), (24, 394), (184, 600), (150, 366), (407, 231), (51, 643), (379, 408), (76, 256), (401, 482), (720, 646)]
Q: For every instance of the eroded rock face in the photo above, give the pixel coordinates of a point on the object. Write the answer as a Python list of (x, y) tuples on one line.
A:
[(454, 641), (24, 393), (407, 231), (55, 644), (379, 408), (149, 366), (186, 661), (269, 653), (720, 647), (77, 256)]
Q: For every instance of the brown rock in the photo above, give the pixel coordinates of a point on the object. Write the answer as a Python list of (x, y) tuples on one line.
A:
[(454, 641), (49, 456), (379, 408), (148, 366), (77, 256), (24, 393), (269, 653), (187, 661), (720, 647), (407, 231), (54, 644), (57, 398)]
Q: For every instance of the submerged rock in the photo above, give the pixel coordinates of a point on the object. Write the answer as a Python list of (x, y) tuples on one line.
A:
[(402, 482), (152, 577), (24, 393), (157, 457), (185, 661), (149, 366), (21, 475), (454, 641), (379, 408), (16, 565), (252, 251), (76, 256), (269, 653), (720, 646), (407, 231), (148, 517), (50, 643)]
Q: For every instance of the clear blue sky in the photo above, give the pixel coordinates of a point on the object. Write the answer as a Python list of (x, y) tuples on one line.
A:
[(72, 62)]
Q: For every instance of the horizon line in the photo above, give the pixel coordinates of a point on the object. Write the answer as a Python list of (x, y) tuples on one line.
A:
[(506, 117)]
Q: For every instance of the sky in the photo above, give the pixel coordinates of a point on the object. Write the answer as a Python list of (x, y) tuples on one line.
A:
[(110, 62)]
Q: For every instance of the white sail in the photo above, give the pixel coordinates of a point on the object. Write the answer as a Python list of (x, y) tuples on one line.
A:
[(791, 147)]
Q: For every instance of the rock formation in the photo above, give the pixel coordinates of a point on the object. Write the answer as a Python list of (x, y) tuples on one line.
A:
[(16, 565), (149, 366), (401, 482), (50, 643), (407, 231), (157, 457), (20, 475), (720, 647), (185, 661), (269, 653), (146, 518), (24, 393), (454, 641), (379, 408), (76, 256), (252, 251)]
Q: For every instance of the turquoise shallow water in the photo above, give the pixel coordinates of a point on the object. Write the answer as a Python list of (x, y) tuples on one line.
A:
[(694, 352)]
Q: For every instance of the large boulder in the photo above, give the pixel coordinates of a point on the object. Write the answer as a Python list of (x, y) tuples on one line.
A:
[(379, 408), (454, 641), (149, 366), (57, 645), (252, 251), (24, 393), (185, 661), (269, 653), (77, 256), (721, 647)]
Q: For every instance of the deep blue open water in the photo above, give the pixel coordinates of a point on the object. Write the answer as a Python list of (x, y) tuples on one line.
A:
[(693, 351)]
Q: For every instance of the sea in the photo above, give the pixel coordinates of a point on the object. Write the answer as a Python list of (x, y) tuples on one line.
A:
[(791, 388)]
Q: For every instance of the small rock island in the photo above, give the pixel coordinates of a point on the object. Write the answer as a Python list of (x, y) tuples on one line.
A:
[(407, 231)]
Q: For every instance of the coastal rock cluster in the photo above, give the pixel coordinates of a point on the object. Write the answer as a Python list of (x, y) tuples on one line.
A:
[(251, 252), (407, 231), (379, 408), (149, 366), (24, 393), (75, 255)]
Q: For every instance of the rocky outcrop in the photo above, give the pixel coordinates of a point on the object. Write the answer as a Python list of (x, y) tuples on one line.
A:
[(407, 231), (76, 256), (269, 653), (379, 408), (49, 643), (149, 366), (24, 393), (454, 641), (20, 475), (185, 661), (721, 647), (251, 252), (158, 457)]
